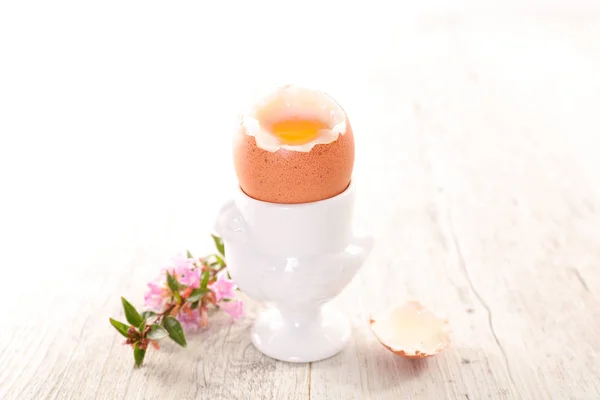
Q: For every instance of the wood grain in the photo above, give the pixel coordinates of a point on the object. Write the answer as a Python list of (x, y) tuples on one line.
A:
[(476, 177)]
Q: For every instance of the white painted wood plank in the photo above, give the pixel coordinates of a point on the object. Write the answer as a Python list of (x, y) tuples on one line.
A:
[(496, 180)]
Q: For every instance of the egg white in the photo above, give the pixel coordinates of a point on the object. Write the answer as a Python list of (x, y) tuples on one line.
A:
[(298, 102)]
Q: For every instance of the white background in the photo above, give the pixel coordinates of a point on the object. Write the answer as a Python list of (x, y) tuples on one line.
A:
[(116, 117)]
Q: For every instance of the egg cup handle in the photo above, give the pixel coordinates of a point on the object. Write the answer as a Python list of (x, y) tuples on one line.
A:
[(229, 225)]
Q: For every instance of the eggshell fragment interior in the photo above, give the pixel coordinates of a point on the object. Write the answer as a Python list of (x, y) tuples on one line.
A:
[(412, 331)]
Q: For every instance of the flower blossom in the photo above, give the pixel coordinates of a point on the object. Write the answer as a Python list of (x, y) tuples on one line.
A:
[(193, 319), (223, 288), (184, 271), (187, 273), (235, 308), (159, 294)]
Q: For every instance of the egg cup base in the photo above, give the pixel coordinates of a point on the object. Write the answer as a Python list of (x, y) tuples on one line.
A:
[(301, 338)]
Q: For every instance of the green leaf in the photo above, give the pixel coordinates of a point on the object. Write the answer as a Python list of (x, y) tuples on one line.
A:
[(133, 317), (219, 244), (195, 305), (196, 295), (148, 314), (205, 278), (121, 327), (220, 260), (139, 355), (172, 283), (175, 331), (189, 255), (157, 332), (142, 326)]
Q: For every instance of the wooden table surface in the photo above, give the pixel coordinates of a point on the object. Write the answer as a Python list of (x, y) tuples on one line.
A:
[(477, 172)]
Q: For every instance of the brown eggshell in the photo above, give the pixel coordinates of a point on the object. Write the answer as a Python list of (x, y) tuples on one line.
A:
[(291, 177), (417, 306)]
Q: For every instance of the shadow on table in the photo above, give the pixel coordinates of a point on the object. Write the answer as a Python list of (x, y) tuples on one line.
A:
[(220, 325), (385, 363), (367, 365)]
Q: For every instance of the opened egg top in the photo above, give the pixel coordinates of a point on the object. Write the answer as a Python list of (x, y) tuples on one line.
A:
[(295, 145)]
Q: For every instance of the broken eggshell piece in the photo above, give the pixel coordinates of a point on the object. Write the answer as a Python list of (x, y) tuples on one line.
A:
[(411, 331)]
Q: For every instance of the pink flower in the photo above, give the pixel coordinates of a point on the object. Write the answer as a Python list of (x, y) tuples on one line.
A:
[(159, 294), (223, 288), (189, 318), (180, 261), (183, 270), (156, 297), (235, 308)]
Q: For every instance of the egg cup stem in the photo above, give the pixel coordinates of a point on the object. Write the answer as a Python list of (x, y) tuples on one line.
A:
[(301, 337)]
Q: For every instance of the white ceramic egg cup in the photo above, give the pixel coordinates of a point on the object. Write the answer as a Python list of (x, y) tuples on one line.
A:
[(294, 258)]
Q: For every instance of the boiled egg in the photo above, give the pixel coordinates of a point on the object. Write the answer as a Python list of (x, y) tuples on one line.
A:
[(294, 145)]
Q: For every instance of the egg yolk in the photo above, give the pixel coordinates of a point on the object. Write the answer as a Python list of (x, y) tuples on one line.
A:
[(296, 131)]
